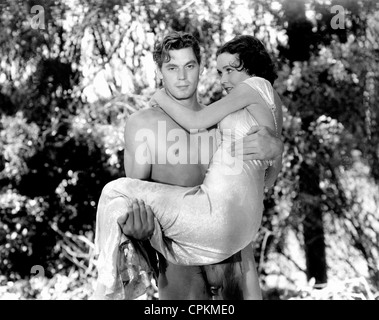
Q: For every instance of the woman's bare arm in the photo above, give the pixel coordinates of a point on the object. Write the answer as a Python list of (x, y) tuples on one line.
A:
[(241, 96)]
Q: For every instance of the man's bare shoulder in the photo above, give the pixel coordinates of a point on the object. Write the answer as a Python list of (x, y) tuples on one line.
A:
[(145, 118)]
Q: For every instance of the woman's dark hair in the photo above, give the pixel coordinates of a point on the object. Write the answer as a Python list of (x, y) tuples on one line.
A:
[(175, 41), (252, 55)]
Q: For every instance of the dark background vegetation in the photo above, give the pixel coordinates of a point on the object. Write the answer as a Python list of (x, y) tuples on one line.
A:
[(58, 147)]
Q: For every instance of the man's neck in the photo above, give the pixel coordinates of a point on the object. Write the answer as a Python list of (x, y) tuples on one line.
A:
[(190, 103)]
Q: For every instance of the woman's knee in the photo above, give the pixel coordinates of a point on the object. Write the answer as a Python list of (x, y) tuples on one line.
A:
[(113, 188)]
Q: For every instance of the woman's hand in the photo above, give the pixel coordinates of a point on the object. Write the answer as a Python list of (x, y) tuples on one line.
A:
[(153, 103), (158, 98)]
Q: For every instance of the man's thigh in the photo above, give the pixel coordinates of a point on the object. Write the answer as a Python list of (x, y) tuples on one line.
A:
[(226, 279), (182, 283), (220, 281)]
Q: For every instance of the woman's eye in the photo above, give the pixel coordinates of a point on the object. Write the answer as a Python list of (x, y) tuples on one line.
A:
[(229, 70)]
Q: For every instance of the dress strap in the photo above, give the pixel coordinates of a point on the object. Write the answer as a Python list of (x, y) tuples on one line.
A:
[(266, 91)]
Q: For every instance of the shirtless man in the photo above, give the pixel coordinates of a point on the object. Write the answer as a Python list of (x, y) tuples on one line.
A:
[(179, 67)]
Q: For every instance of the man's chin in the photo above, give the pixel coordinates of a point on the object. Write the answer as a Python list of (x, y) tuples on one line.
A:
[(182, 96)]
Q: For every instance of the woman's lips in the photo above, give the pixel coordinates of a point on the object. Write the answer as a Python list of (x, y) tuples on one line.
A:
[(228, 89)]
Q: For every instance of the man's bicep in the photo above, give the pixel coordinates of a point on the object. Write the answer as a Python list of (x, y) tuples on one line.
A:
[(137, 158), (135, 170)]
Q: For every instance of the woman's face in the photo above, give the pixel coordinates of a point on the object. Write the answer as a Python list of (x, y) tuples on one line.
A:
[(226, 68)]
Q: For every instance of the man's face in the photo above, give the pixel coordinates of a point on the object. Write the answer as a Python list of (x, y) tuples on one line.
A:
[(180, 75)]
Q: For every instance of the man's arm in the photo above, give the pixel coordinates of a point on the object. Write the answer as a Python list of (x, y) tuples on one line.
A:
[(135, 167), (138, 221), (261, 143)]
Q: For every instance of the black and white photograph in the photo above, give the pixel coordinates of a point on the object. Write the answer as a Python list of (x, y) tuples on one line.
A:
[(189, 150)]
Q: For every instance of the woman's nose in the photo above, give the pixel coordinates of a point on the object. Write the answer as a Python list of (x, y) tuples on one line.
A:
[(224, 78)]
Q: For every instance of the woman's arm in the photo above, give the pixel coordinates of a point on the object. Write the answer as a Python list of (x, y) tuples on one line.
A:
[(241, 96)]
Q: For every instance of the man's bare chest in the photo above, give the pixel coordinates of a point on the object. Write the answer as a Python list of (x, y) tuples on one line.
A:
[(179, 157), (173, 145)]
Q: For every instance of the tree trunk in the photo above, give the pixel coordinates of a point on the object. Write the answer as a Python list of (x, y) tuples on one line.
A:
[(313, 229), (313, 232)]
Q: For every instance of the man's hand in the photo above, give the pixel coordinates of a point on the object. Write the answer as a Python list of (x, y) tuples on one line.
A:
[(260, 143), (138, 221)]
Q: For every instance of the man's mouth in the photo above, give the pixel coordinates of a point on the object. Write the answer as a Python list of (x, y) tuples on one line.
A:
[(182, 87)]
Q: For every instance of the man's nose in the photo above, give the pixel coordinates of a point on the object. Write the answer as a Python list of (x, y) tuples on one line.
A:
[(182, 75)]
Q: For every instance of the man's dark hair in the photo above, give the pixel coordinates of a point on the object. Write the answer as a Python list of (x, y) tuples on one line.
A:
[(252, 55), (175, 41)]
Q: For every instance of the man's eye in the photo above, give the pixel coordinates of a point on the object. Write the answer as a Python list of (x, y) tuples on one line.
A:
[(171, 69), (190, 66)]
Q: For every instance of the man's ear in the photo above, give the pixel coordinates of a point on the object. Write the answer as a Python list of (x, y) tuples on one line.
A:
[(159, 73), (202, 67)]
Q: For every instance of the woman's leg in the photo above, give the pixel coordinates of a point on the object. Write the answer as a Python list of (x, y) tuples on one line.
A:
[(250, 280), (183, 220)]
